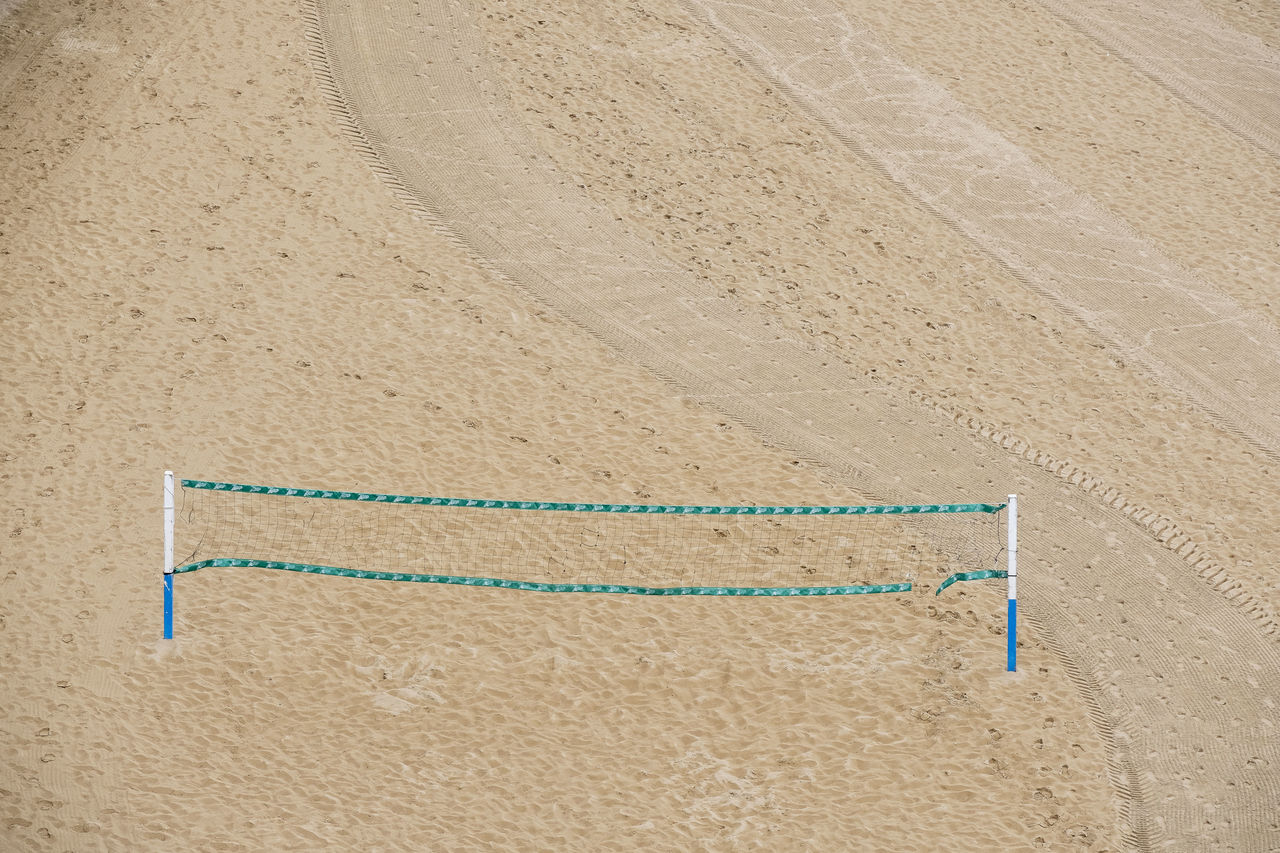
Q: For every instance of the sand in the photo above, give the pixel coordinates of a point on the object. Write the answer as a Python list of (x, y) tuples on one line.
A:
[(620, 252)]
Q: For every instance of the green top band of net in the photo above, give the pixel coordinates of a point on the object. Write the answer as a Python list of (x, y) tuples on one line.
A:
[(549, 587), (675, 509)]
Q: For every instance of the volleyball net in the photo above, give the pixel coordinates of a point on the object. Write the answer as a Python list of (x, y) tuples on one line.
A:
[(641, 549)]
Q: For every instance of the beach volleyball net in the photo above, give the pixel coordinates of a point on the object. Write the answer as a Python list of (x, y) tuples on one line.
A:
[(641, 549), (580, 547)]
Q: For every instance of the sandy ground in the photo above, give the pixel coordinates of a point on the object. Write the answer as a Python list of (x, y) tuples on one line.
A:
[(502, 250)]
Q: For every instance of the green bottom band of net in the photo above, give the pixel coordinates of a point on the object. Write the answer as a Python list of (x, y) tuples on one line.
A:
[(970, 576), (554, 587)]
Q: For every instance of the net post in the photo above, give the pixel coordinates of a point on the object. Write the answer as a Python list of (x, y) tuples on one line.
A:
[(168, 554), (1013, 583)]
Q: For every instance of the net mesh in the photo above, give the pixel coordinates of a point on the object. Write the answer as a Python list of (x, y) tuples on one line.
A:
[(588, 547)]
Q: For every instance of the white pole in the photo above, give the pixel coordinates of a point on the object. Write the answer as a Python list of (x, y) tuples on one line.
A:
[(168, 555), (1013, 583)]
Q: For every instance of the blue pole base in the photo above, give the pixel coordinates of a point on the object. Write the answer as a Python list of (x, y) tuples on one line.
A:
[(1013, 635), (168, 606)]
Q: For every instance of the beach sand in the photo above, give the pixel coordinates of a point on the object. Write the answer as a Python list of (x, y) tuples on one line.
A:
[(220, 256)]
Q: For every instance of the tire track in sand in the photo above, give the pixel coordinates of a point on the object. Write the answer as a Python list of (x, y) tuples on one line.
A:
[(1177, 678)]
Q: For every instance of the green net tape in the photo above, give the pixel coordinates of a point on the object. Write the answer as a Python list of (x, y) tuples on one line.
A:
[(548, 587), (970, 576), (674, 509)]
